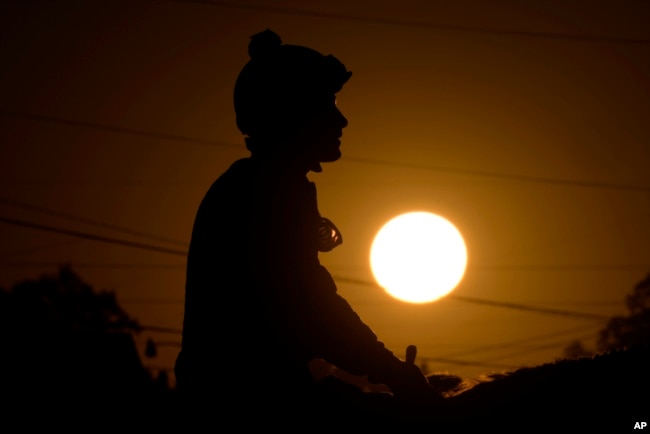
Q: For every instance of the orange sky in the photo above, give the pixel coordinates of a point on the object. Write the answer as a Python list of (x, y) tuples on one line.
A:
[(536, 147)]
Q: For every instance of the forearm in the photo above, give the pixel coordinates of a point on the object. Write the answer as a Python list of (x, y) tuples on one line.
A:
[(334, 332)]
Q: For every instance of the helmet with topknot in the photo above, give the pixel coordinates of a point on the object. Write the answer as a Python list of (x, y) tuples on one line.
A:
[(282, 85)]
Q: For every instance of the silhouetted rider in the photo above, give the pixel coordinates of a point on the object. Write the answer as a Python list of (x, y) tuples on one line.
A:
[(259, 306)]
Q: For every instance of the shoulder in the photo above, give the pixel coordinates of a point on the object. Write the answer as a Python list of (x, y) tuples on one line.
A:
[(233, 179), (227, 191), (238, 171)]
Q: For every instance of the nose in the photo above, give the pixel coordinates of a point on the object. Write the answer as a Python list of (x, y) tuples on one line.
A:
[(343, 121)]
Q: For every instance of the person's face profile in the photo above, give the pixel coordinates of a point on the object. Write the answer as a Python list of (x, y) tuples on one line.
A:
[(324, 130)]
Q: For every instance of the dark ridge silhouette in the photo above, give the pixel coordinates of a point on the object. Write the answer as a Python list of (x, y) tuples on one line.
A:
[(607, 392)]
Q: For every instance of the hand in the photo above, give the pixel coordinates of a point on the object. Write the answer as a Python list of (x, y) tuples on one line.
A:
[(411, 384), (409, 381)]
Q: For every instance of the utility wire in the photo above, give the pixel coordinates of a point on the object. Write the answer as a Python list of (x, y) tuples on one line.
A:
[(361, 160), (114, 129), (162, 266), (537, 348), (104, 265), (560, 267), (183, 253), (542, 267), (488, 362), (511, 343), (46, 211), (93, 237), (512, 177), (505, 304), (421, 24), (182, 268), (482, 363), (519, 306)]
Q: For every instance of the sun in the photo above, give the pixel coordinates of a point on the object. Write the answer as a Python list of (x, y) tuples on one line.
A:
[(418, 257)]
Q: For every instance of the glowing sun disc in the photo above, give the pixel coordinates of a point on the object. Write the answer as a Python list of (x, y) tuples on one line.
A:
[(418, 257)]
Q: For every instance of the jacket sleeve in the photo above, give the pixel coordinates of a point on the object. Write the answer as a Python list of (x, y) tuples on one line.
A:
[(339, 334), (318, 317)]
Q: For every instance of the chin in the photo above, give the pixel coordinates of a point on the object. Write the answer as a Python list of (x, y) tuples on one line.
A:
[(331, 157)]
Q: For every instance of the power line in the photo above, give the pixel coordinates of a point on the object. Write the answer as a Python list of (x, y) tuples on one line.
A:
[(488, 362), (104, 265), (93, 237), (511, 343), (159, 266), (519, 306), (361, 160), (421, 24), (509, 305), (567, 267), (537, 348), (507, 176), (545, 267), (114, 129), (46, 211), (516, 306), (182, 268)]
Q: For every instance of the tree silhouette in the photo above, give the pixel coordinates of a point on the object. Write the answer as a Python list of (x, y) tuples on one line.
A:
[(622, 331), (67, 346), (576, 349), (52, 306), (633, 329)]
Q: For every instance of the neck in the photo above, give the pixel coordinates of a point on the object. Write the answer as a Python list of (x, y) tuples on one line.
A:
[(282, 158)]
